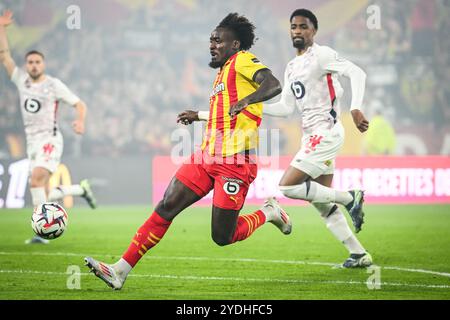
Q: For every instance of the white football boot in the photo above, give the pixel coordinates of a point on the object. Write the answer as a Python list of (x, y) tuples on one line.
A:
[(105, 272), (279, 217)]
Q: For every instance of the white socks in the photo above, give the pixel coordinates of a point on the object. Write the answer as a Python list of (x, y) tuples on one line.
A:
[(337, 224), (62, 191), (353, 245), (315, 192), (38, 196), (122, 267)]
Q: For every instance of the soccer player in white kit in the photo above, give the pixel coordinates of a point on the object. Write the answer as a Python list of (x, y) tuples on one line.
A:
[(311, 83), (39, 98)]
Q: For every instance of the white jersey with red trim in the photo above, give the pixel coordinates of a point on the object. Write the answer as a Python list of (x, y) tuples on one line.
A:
[(311, 83), (39, 103)]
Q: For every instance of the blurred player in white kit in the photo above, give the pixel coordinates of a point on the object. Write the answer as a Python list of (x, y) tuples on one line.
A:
[(39, 98)]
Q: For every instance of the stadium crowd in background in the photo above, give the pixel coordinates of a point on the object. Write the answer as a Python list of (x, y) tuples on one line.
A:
[(127, 65)]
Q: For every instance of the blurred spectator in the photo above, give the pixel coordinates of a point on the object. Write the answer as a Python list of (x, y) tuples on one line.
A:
[(380, 139)]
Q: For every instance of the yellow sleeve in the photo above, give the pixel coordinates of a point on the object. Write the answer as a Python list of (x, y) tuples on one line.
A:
[(248, 64)]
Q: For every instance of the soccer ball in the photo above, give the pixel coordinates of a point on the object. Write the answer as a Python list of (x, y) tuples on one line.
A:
[(49, 220)]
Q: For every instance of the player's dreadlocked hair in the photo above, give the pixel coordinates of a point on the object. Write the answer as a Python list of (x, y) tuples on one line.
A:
[(242, 28)]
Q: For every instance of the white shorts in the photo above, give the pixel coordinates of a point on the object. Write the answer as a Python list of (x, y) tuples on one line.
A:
[(319, 150), (45, 151)]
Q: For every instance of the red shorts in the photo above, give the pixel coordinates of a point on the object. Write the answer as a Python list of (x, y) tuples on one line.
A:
[(230, 181)]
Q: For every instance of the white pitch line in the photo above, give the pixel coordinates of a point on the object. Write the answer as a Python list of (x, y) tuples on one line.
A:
[(298, 262), (236, 279), (444, 274)]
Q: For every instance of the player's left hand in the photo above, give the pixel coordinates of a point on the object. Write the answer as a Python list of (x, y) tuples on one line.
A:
[(360, 121), (237, 108), (187, 117), (78, 126)]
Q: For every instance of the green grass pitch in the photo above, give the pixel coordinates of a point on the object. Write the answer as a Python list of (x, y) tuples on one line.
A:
[(410, 244)]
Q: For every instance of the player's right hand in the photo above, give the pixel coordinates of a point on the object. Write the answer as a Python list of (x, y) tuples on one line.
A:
[(360, 121), (6, 19), (78, 126), (187, 117)]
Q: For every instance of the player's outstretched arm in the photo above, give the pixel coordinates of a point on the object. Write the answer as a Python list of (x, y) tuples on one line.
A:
[(5, 55), (284, 107), (78, 123), (269, 87), (278, 109)]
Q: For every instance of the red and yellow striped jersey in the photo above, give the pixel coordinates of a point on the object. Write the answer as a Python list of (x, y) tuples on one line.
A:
[(225, 136)]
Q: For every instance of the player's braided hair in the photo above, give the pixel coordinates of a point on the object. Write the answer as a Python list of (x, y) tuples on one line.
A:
[(242, 28)]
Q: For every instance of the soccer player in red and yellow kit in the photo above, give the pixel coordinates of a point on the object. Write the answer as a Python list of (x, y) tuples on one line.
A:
[(226, 161)]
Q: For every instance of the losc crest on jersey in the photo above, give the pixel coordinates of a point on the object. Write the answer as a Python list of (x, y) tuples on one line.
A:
[(231, 188), (298, 89), (32, 105)]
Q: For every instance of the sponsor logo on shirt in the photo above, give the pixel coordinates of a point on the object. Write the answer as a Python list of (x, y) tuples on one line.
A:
[(219, 88)]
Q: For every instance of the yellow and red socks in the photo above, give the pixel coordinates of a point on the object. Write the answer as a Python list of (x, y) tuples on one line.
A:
[(247, 224), (147, 236)]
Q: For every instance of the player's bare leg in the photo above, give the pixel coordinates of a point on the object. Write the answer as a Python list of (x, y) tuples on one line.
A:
[(38, 181), (223, 225), (176, 198), (227, 226)]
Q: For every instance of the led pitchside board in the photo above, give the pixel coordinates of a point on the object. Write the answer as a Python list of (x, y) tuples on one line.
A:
[(386, 180)]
